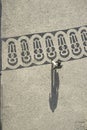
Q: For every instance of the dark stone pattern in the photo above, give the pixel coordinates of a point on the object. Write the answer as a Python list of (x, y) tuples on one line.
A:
[(38, 49), (84, 39), (25, 54), (12, 55), (50, 49), (62, 46), (75, 46)]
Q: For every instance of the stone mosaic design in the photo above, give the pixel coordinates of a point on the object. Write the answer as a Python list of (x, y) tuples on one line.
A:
[(41, 48)]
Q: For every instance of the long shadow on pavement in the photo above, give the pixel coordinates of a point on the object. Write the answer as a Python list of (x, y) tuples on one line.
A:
[(53, 96)]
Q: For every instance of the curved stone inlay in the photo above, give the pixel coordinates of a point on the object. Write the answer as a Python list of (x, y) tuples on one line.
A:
[(41, 48)]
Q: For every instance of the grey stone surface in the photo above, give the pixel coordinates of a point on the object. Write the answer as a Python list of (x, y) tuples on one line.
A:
[(26, 98), (25, 92)]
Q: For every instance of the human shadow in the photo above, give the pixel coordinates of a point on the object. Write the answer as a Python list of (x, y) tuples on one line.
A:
[(53, 96)]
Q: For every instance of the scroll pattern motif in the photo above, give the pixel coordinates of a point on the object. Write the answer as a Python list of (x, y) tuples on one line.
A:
[(50, 49), (25, 53), (12, 55), (38, 52), (63, 49), (37, 49)]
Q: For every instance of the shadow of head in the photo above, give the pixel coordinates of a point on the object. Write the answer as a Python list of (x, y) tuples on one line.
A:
[(53, 96)]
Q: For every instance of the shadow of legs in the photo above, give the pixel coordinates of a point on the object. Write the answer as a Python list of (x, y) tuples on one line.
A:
[(53, 96)]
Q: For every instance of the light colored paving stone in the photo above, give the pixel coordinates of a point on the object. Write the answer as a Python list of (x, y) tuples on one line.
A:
[(25, 91)]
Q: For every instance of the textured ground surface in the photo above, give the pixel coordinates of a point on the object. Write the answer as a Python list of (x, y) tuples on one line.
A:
[(26, 91)]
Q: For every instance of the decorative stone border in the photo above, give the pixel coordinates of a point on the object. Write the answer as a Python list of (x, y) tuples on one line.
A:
[(41, 48)]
